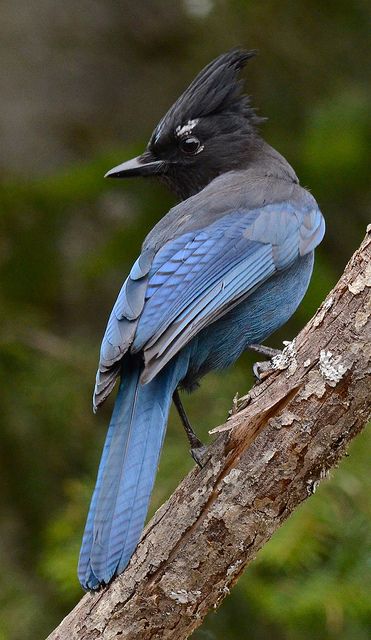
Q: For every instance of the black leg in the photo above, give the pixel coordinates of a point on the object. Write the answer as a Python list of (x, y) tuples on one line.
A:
[(198, 449), (265, 351)]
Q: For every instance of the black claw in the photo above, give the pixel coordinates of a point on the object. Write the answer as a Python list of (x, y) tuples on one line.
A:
[(256, 372), (199, 455), (260, 368)]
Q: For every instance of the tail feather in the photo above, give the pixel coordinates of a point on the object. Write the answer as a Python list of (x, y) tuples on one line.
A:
[(126, 473)]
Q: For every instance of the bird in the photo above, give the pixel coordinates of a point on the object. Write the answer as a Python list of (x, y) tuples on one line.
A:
[(226, 266)]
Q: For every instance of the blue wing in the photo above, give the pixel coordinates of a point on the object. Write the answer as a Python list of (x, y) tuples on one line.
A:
[(171, 294)]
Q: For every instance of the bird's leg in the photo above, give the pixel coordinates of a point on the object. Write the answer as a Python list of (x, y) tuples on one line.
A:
[(198, 449), (265, 351), (259, 368)]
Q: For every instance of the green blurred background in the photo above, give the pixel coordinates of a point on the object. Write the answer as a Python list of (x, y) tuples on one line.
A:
[(83, 85)]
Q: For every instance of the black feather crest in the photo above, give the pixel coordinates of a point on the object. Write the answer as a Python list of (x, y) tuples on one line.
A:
[(215, 89)]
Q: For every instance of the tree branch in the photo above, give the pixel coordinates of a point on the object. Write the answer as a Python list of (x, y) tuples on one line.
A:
[(274, 450)]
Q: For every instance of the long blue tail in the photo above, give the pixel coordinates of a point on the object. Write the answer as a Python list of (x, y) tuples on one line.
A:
[(127, 472)]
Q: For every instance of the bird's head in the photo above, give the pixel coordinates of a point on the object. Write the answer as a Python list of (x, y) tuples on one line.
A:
[(208, 131)]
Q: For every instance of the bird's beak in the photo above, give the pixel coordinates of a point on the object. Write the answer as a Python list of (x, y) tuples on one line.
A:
[(143, 165)]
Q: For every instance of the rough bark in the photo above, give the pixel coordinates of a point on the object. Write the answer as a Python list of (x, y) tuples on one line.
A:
[(277, 446)]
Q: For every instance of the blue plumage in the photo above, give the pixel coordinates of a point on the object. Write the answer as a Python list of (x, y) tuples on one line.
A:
[(127, 471), (222, 270)]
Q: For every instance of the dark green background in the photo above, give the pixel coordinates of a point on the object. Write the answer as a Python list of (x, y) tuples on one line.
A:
[(83, 86)]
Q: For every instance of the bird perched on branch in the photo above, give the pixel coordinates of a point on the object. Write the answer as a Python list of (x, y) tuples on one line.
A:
[(221, 271)]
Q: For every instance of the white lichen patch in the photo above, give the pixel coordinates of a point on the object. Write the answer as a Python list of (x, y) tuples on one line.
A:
[(185, 597), (306, 427), (312, 486), (361, 281), (232, 476), (363, 315), (331, 367), (287, 358), (223, 591), (315, 386), (211, 471), (285, 420), (268, 455), (322, 311), (313, 483), (233, 567)]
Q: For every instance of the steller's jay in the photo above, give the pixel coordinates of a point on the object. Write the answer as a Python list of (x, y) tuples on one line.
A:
[(219, 272)]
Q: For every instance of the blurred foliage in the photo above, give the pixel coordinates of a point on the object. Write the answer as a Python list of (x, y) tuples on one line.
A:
[(67, 239)]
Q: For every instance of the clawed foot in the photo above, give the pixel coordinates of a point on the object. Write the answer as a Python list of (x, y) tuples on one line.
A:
[(262, 369), (199, 454)]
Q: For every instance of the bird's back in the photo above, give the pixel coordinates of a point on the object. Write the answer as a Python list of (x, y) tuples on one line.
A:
[(267, 179)]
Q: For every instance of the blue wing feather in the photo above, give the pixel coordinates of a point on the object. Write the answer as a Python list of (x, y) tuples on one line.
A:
[(197, 277)]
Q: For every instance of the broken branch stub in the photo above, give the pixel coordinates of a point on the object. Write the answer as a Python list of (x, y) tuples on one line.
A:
[(271, 456)]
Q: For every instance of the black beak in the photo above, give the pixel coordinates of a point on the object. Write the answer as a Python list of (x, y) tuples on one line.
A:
[(143, 165)]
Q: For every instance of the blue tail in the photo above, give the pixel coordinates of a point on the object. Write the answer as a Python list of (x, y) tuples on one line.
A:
[(127, 472)]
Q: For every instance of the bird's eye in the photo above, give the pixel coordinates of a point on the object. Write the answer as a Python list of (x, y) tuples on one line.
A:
[(190, 145)]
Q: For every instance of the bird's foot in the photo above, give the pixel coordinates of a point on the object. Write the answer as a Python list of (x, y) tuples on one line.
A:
[(199, 454), (262, 370)]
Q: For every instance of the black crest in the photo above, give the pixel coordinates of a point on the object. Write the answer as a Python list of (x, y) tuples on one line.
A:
[(215, 89)]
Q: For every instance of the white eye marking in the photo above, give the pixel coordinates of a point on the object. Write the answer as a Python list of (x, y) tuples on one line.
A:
[(186, 129)]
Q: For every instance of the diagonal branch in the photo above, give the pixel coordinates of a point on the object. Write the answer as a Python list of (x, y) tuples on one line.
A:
[(270, 456)]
